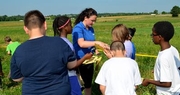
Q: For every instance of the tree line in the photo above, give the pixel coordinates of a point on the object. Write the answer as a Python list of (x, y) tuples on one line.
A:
[(175, 11)]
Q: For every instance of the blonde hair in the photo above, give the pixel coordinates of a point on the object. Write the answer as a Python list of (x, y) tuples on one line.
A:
[(120, 33)]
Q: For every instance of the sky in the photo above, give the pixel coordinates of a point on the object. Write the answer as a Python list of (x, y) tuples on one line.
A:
[(56, 7)]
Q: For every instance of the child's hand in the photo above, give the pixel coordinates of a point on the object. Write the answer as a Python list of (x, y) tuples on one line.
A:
[(108, 53), (88, 55), (145, 82)]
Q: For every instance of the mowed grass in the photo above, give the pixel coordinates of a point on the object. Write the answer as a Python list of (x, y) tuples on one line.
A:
[(102, 27)]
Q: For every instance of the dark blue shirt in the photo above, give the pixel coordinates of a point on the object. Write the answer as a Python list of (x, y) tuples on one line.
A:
[(43, 64)]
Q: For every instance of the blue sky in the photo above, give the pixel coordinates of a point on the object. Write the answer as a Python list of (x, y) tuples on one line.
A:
[(55, 7)]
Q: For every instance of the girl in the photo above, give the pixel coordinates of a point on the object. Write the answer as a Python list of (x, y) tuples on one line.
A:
[(121, 33), (62, 27)]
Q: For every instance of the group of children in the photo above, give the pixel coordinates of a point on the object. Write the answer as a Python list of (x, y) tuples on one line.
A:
[(120, 74)]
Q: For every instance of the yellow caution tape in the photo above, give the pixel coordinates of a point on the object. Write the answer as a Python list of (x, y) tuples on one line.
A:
[(146, 55)]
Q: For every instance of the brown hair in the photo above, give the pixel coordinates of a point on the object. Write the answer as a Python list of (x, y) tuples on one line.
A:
[(120, 33), (117, 45), (34, 19), (7, 39)]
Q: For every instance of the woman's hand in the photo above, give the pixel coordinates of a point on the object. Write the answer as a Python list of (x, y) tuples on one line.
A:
[(102, 44)]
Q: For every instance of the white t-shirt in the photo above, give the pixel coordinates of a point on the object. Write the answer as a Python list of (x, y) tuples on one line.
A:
[(120, 75), (166, 70)]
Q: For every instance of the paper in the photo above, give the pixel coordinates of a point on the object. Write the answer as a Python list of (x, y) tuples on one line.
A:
[(93, 59), (98, 47)]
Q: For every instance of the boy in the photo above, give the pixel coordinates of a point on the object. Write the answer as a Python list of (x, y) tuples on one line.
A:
[(166, 72), (119, 75), (42, 62), (11, 47)]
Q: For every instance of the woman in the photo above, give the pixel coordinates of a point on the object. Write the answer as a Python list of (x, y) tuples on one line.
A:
[(84, 42)]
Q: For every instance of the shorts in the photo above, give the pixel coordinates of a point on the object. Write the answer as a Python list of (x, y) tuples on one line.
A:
[(75, 87), (86, 71)]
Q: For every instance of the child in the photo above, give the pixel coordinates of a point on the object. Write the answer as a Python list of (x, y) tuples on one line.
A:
[(166, 72), (62, 27), (119, 75), (121, 33), (11, 47), (42, 62), (131, 34)]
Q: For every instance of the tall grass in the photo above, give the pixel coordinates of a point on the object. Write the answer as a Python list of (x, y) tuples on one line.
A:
[(103, 26)]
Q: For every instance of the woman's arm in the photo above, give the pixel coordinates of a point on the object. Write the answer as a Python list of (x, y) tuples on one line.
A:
[(85, 44)]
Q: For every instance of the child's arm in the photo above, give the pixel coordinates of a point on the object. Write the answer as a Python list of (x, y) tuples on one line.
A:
[(146, 82), (18, 80), (80, 61), (8, 52), (102, 88)]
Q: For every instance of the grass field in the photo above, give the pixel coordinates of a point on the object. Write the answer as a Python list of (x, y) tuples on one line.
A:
[(103, 26)]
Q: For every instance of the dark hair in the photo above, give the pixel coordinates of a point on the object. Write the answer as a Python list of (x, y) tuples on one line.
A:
[(132, 31), (59, 23), (117, 45), (85, 13), (34, 19), (165, 29), (7, 39)]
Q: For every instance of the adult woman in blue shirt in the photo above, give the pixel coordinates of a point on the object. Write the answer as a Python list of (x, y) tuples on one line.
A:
[(84, 42)]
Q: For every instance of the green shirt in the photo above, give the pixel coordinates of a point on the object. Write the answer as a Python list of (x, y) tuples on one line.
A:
[(12, 47)]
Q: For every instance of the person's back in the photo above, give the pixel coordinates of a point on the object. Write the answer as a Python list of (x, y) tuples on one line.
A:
[(120, 75), (41, 62), (12, 47)]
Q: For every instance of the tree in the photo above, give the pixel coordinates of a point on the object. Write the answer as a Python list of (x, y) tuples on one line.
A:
[(163, 12), (155, 12), (175, 11)]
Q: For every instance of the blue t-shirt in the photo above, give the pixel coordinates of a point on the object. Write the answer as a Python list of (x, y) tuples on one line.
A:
[(130, 49), (134, 51), (80, 31), (43, 64)]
